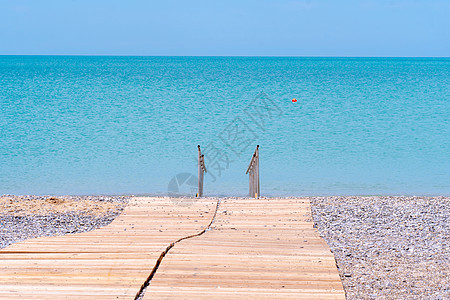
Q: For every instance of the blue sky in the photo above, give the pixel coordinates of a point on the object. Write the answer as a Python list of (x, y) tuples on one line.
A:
[(232, 27)]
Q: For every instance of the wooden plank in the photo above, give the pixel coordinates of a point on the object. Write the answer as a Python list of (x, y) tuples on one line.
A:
[(108, 263), (257, 248)]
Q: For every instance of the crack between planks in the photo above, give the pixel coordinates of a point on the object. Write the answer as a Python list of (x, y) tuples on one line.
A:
[(146, 283)]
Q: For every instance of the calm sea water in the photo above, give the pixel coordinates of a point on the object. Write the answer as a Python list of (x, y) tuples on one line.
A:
[(130, 125)]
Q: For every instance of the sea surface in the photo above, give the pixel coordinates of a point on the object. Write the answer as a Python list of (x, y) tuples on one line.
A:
[(131, 125)]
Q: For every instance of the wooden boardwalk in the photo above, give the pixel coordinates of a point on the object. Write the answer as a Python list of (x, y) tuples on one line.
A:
[(256, 248)]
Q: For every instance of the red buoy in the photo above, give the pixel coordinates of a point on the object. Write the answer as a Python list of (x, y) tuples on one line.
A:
[(294, 100)]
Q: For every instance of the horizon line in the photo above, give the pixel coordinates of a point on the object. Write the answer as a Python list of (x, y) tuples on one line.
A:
[(275, 56)]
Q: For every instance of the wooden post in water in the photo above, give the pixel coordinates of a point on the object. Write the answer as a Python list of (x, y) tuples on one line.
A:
[(201, 171), (253, 175)]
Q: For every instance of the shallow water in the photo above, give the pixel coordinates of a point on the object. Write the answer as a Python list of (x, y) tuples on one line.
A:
[(129, 125)]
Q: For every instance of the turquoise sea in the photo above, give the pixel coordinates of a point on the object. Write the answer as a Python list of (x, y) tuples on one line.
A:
[(130, 125)]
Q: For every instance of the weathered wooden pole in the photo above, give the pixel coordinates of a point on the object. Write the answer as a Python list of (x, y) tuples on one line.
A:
[(250, 183), (257, 172), (201, 170), (253, 177)]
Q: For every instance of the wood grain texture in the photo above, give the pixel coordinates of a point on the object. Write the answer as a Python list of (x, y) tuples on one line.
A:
[(257, 249), (108, 263)]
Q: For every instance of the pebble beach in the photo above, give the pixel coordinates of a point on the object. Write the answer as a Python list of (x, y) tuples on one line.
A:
[(388, 247), (25, 217), (384, 247)]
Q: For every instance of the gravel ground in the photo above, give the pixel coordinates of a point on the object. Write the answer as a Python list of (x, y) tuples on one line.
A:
[(25, 217), (388, 247)]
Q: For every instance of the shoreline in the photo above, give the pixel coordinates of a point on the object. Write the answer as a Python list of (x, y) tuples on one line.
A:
[(149, 195)]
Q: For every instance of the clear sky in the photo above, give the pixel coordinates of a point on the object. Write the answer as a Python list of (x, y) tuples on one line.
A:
[(226, 27)]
